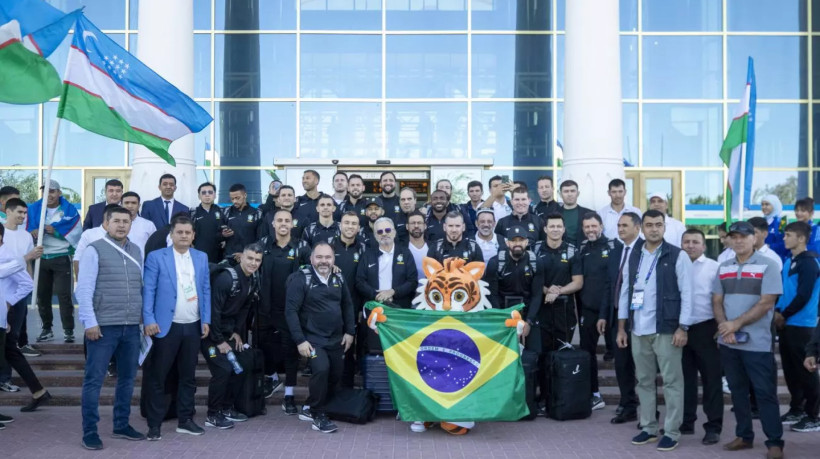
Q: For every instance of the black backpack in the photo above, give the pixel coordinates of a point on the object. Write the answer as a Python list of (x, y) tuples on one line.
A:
[(215, 269), (357, 406), (502, 261)]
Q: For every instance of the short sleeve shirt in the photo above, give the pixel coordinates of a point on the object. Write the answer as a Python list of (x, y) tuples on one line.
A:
[(741, 286)]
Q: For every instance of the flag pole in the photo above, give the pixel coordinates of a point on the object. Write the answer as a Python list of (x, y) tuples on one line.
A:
[(742, 195), (46, 189)]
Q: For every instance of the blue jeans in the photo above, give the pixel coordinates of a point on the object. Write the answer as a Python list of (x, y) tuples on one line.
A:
[(123, 342), (756, 370)]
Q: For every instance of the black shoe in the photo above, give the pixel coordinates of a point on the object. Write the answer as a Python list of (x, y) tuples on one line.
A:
[(218, 421), (686, 429), (2, 426), (45, 335), (644, 438), (233, 415), (6, 419), (128, 433), (29, 351), (323, 424), (306, 415), (272, 386), (289, 405), (711, 438), (792, 417), (36, 402), (68, 336), (189, 427), (624, 417), (609, 356), (92, 441), (154, 434)]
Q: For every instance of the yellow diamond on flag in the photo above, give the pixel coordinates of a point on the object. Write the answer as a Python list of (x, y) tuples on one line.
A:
[(448, 360)]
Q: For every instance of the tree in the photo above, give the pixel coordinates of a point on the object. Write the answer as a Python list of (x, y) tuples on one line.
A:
[(786, 191), (29, 185)]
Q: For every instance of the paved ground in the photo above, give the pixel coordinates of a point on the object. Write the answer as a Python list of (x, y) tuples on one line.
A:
[(56, 432)]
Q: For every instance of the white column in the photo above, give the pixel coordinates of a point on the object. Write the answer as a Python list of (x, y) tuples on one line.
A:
[(592, 106), (166, 44)]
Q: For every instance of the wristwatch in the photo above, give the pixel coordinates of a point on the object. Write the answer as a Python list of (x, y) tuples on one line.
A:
[(684, 327)]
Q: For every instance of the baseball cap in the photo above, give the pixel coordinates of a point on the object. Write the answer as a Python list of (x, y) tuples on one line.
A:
[(741, 227), (658, 195), (514, 232), (374, 202), (53, 185)]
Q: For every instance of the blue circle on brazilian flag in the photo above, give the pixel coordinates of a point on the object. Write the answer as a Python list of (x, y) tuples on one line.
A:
[(448, 360)]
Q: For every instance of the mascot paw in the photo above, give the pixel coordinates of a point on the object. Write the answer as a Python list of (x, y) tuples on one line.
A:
[(376, 316), (453, 429), (516, 322)]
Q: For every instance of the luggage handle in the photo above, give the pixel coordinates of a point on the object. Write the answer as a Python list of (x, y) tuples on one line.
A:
[(563, 344)]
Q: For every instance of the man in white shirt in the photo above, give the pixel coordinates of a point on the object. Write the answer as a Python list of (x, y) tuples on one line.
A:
[(485, 236), (498, 197), (612, 212), (141, 228), (699, 356), (417, 245), (674, 228)]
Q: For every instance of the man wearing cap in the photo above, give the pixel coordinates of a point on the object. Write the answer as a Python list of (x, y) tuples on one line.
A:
[(674, 228), (373, 211), (516, 276), (743, 299), (62, 234)]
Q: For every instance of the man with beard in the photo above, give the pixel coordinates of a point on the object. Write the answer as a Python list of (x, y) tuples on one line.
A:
[(387, 274), (521, 216), (454, 244), (489, 242), (572, 213), (243, 224), (207, 218), (435, 215), (319, 313), (325, 227), (407, 203), (310, 182), (353, 202), (389, 198), (282, 256), (594, 256), (373, 211), (515, 276), (339, 187), (348, 249), (547, 204), (417, 243)]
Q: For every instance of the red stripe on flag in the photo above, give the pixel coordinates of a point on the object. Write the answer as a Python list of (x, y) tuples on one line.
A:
[(34, 42), (9, 42)]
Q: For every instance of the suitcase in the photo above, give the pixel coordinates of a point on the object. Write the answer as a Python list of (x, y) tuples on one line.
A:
[(376, 380), (357, 406), (250, 394), (570, 391)]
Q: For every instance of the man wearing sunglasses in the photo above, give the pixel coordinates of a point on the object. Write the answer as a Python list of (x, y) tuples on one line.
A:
[(208, 220), (387, 273)]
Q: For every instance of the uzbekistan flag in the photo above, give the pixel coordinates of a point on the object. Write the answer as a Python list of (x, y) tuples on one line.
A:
[(30, 30), (446, 366), (740, 137), (111, 93)]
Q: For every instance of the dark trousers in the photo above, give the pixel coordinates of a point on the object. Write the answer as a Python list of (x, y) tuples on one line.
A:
[(745, 369), (286, 354), (124, 342), (14, 358), (354, 357), (701, 356), (589, 342), (625, 373), (326, 370), (804, 386), (269, 342), (180, 345), (55, 278), (17, 323), (224, 384)]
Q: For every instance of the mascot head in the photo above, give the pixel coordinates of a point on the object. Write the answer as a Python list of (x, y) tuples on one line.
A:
[(452, 287)]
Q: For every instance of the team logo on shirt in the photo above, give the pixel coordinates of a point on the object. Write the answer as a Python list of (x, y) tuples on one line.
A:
[(217, 216), (564, 258), (295, 223), (336, 282), (396, 209), (465, 255), (212, 352), (250, 218), (526, 271), (532, 228), (356, 257), (605, 254), (291, 254), (400, 259), (361, 212)]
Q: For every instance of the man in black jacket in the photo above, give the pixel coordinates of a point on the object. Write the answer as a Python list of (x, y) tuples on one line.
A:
[(244, 223), (231, 295), (353, 202), (521, 216), (208, 221), (324, 227), (319, 314), (387, 274), (454, 243)]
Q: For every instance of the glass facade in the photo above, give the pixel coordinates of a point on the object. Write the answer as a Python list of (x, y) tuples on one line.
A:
[(463, 79)]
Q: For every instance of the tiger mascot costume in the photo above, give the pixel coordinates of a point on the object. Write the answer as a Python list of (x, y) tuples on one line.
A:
[(455, 287)]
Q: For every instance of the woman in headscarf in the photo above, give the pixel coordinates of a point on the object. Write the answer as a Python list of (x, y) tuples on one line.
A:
[(773, 213)]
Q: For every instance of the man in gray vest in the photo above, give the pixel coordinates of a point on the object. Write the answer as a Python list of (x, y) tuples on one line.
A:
[(109, 292)]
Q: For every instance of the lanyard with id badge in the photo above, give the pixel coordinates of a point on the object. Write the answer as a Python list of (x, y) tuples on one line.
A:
[(637, 295), (186, 279)]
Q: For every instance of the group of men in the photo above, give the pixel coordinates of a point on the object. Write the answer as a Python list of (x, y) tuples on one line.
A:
[(301, 268)]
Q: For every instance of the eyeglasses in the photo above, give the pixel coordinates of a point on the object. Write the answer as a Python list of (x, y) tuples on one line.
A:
[(384, 231), (206, 192)]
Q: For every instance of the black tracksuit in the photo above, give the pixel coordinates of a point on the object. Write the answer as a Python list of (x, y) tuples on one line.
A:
[(515, 282), (347, 206), (405, 276), (317, 232), (466, 249), (532, 224), (247, 225), (278, 263), (303, 215), (366, 235), (435, 227), (543, 209), (390, 205), (348, 258), (320, 314), (208, 232), (228, 316), (594, 260)]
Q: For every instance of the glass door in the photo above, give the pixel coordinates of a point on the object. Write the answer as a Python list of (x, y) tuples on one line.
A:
[(641, 184), (94, 184)]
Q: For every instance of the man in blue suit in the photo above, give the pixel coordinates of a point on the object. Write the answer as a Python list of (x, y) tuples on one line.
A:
[(113, 195), (176, 313), (161, 209)]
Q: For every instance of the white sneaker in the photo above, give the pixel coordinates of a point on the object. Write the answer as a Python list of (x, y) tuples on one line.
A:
[(9, 387), (726, 386), (598, 402), (418, 427)]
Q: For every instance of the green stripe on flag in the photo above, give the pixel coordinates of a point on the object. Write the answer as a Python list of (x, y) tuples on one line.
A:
[(93, 114), (734, 138), (25, 77)]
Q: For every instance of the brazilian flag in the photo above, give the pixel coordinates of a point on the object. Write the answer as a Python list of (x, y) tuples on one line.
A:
[(453, 366)]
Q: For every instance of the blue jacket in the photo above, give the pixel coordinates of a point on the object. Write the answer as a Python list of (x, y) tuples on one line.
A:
[(159, 291), (801, 290), (775, 237), (154, 210)]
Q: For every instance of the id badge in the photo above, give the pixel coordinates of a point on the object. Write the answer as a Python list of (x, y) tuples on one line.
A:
[(637, 300), (190, 293)]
